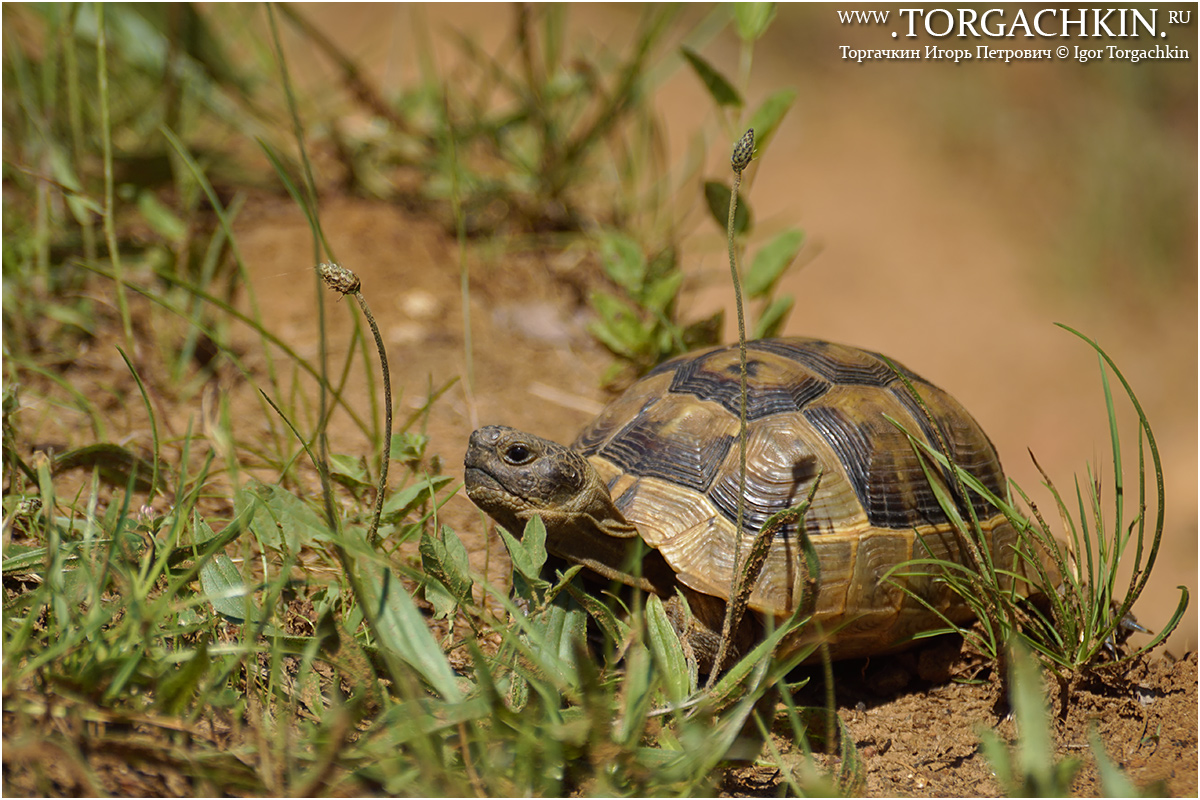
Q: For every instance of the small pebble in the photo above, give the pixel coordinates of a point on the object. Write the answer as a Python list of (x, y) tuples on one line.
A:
[(419, 304)]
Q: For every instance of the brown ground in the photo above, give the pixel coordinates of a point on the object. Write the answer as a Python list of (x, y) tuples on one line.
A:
[(939, 253)]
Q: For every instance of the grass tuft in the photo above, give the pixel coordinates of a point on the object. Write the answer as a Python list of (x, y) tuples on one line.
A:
[(1059, 597)]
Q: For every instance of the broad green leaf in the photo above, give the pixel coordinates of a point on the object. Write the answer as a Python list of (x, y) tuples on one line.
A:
[(771, 261), (769, 115), (445, 560), (458, 563), (177, 688), (618, 328), (773, 318), (349, 471), (78, 315), (661, 293), (564, 636), (261, 522), (667, 651), (407, 447), (437, 595), (281, 518), (752, 19), (746, 672), (615, 629), (611, 308), (532, 645), (623, 260), (116, 465), (637, 691), (414, 719), (728, 730), (402, 629), (721, 90), (613, 340), (28, 559), (81, 206), (400, 504), (528, 555), (223, 588), (534, 542), (716, 194), (205, 542), (160, 218)]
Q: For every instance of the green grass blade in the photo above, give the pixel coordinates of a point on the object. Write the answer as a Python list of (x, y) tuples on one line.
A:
[(719, 88), (771, 262), (668, 652)]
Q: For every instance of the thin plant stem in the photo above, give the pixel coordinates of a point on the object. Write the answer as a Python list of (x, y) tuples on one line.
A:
[(460, 230), (110, 222), (319, 244), (743, 151), (75, 118), (154, 475), (345, 281), (373, 533)]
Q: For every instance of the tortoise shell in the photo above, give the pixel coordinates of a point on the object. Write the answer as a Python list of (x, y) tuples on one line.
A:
[(668, 451)]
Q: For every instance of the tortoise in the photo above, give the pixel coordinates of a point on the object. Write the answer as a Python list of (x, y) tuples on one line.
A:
[(660, 466)]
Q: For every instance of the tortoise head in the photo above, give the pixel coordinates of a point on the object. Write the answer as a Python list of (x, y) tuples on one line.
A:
[(513, 475)]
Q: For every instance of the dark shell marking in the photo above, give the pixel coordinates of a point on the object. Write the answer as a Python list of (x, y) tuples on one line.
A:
[(679, 424)]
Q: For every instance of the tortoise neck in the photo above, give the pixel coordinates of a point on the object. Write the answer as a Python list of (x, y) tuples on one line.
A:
[(596, 534), (628, 561)]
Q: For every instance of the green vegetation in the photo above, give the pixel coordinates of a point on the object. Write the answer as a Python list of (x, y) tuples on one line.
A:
[(1030, 768), (1059, 597), (200, 605)]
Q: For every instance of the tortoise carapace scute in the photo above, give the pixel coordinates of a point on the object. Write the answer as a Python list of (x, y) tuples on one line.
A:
[(666, 456)]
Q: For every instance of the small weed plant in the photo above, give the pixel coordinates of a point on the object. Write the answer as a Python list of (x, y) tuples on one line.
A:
[(1029, 768), (1059, 594), (639, 324)]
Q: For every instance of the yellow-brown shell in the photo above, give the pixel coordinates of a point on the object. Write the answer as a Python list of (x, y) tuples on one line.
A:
[(668, 451)]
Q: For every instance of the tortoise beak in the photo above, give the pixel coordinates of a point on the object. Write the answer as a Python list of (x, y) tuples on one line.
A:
[(480, 453)]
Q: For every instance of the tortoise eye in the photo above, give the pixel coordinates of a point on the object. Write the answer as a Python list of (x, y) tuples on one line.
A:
[(516, 454)]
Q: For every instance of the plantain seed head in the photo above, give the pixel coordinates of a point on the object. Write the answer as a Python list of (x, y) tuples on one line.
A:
[(339, 278), (743, 151)]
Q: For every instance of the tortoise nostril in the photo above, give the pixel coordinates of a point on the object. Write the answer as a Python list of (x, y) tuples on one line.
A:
[(488, 435)]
